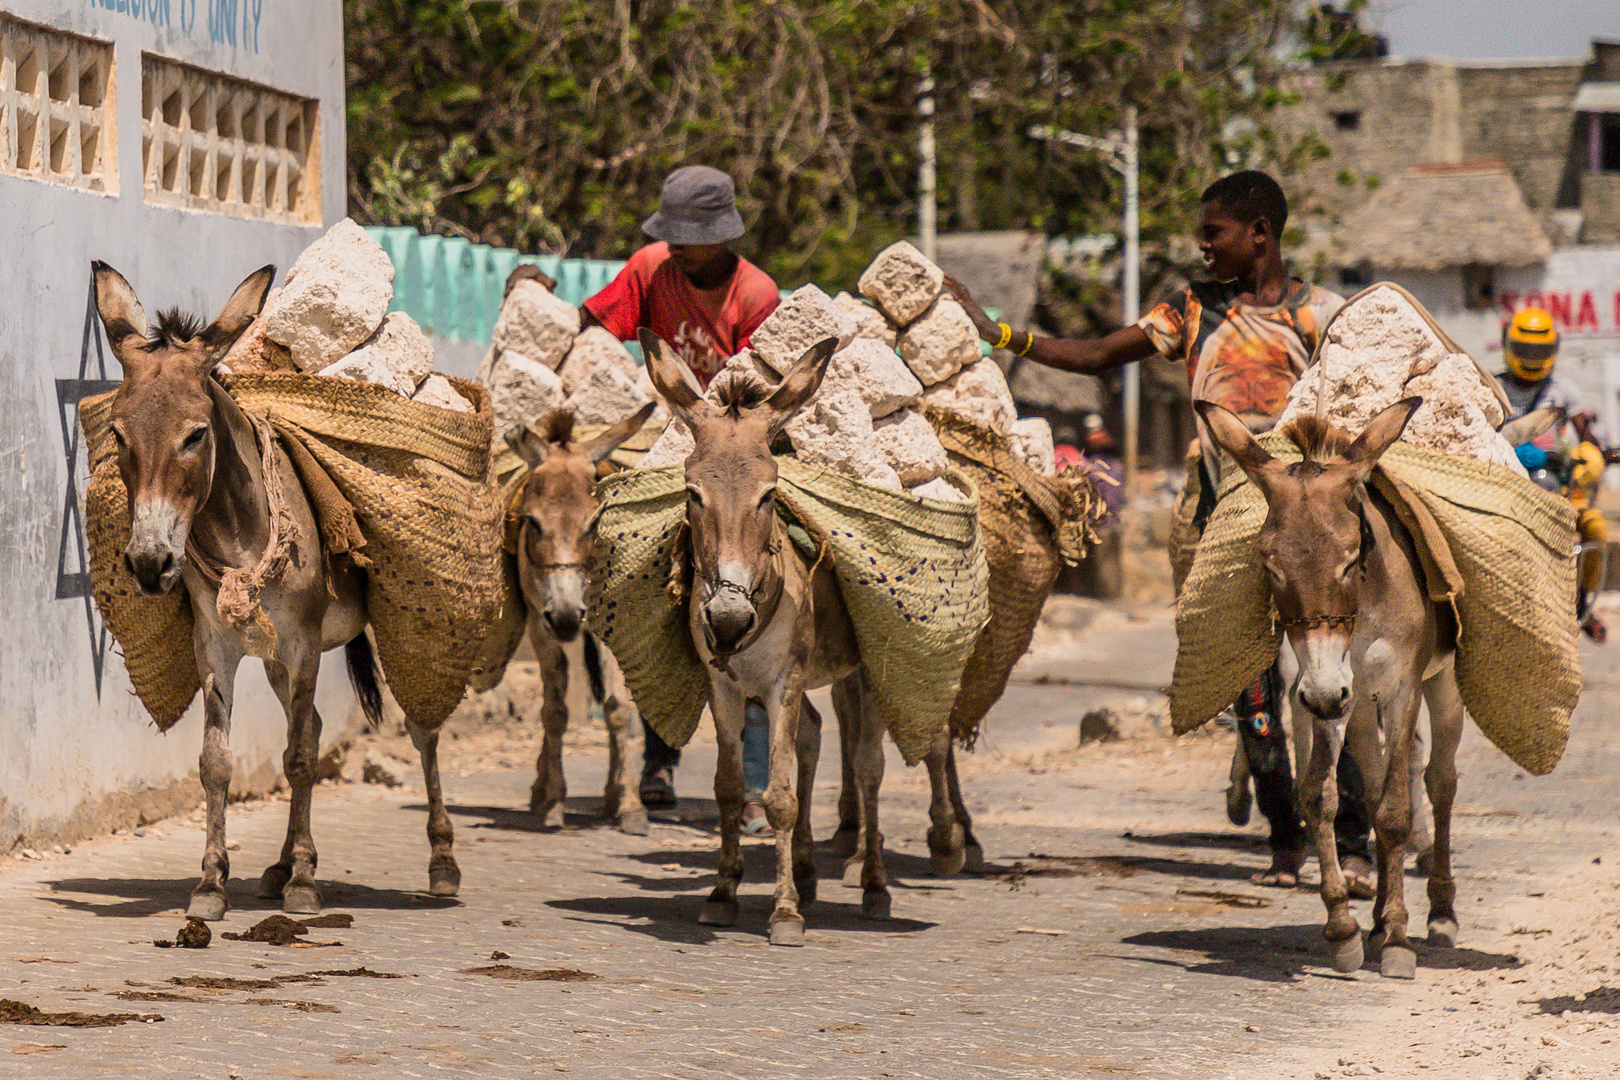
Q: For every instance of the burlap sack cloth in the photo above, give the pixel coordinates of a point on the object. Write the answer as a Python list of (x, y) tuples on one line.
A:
[(912, 573), (1507, 543), (400, 487), (1031, 525)]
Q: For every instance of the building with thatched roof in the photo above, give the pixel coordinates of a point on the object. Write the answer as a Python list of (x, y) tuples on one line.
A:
[(1437, 217)]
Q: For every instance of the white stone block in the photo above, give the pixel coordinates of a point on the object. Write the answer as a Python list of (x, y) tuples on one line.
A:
[(521, 391), (673, 447), (400, 344), (593, 346), (358, 367), (874, 371), (908, 443), (535, 322), (869, 321), (804, 318), (436, 390), (254, 352), (835, 432), (902, 282), (607, 395), (333, 299), (941, 490), (940, 342), (978, 393), (1031, 440)]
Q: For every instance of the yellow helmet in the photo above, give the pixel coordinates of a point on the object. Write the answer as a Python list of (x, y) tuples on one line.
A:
[(1530, 344)]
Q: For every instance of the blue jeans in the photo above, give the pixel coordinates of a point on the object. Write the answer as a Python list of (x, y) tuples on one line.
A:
[(756, 752)]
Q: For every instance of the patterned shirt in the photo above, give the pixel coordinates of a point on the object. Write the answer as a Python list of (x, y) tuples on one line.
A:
[(1242, 356)]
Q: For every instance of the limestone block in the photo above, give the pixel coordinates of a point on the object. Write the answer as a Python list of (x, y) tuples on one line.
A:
[(673, 447), (359, 367), (254, 352), (748, 363), (521, 391), (436, 390), (400, 344), (869, 321), (1032, 440), (606, 396), (535, 322), (902, 282), (908, 443), (804, 318), (333, 299), (835, 432), (940, 342), (978, 393), (939, 489), (877, 374), (593, 346), (1453, 418)]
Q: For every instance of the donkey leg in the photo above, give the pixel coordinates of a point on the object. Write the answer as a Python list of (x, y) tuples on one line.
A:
[(444, 876), (1445, 728), (847, 840), (1393, 822), (1320, 794), (726, 705), (208, 900), (782, 808), (875, 900), (946, 837), (621, 799), (804, 866), (973, 851), (550, 788), (293, 680)]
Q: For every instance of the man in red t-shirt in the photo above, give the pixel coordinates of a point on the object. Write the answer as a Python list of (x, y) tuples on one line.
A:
[(690, 288), (706, 301)]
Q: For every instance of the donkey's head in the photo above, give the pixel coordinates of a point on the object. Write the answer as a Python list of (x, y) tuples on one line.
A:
[(162, 416), (731, 484), (1315, 541), (559, 513)]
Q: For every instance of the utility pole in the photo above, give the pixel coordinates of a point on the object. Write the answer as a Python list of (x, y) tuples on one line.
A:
[(925, 169), (1124, 159)]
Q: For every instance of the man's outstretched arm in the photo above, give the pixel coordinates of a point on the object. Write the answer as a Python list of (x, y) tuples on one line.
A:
[(1095, 356)]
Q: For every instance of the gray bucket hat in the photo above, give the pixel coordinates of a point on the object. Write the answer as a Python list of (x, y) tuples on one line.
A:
[(698, 206)]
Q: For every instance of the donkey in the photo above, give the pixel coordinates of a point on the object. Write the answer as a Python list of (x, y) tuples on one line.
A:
[(555, 545), (1350, 594), (199, 473)]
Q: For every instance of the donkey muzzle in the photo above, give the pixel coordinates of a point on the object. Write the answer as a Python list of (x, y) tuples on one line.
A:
[(563, 621), (728, 618), (156, 552)]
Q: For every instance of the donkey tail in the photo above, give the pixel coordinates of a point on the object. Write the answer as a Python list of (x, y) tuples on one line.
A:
[(363, 677)]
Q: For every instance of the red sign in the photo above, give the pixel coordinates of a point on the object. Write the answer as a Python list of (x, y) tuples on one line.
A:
[(1574, 313)]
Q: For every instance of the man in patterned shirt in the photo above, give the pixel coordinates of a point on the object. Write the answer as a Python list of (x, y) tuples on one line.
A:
[(1245, 338)]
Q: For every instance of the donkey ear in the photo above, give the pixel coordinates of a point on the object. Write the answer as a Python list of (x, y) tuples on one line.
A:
[(1233, 436), (528, 446), (597, 450), (670, 375), (1532, 425), (121, 313), (1380, 434), (801, 383), (236, 316)]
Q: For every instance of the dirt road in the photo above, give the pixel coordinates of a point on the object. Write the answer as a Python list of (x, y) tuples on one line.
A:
[(1116, 934)]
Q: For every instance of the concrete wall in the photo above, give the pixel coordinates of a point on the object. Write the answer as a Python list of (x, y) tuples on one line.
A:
[(77, 752), (1600, 198)]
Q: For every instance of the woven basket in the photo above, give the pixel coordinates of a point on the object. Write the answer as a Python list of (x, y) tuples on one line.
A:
[(1518, 666), (911, 571)]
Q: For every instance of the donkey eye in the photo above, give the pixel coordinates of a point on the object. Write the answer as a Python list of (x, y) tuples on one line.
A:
[(766, 499), (118, 437), (694, 494), (195, 439)]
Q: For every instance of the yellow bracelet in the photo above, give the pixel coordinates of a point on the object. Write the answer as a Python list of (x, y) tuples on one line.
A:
[(1028, 345), (1006, 336)]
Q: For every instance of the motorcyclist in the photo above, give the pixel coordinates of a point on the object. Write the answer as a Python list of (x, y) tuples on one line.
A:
[(1570, 451)]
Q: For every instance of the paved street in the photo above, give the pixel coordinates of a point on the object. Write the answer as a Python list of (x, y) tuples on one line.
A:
[(1115, 934)]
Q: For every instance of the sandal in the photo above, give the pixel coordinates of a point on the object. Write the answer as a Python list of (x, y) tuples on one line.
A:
[(1357, 877), (755, 823), (658, 789)]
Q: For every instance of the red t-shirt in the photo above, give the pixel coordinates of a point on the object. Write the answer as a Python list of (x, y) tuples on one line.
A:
[(705, 326)]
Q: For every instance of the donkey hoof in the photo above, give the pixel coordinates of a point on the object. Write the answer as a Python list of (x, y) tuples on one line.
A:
[(273, 880), (788, 931), (846, 841), (209, 906), (1442, 933), (948, 863), (301, 900), (875, 904), (806, 888), (1375, 942), (1347, 954), (854, 870), (633, 823), (444, 880), (973, 859), (1398, 962), (552, 817), (719, 913)]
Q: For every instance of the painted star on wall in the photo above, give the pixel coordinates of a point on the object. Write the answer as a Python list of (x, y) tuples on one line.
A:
[(73, 557)]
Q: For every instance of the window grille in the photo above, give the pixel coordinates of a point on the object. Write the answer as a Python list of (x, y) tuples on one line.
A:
[(209, 142), (56, 107)]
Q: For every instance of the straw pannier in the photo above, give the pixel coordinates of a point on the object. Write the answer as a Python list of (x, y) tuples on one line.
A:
[(912, 574), (1512, 545)]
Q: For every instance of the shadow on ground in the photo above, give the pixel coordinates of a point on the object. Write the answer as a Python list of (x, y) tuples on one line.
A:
[(674, 918), (1280, 953), (139, 897)]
